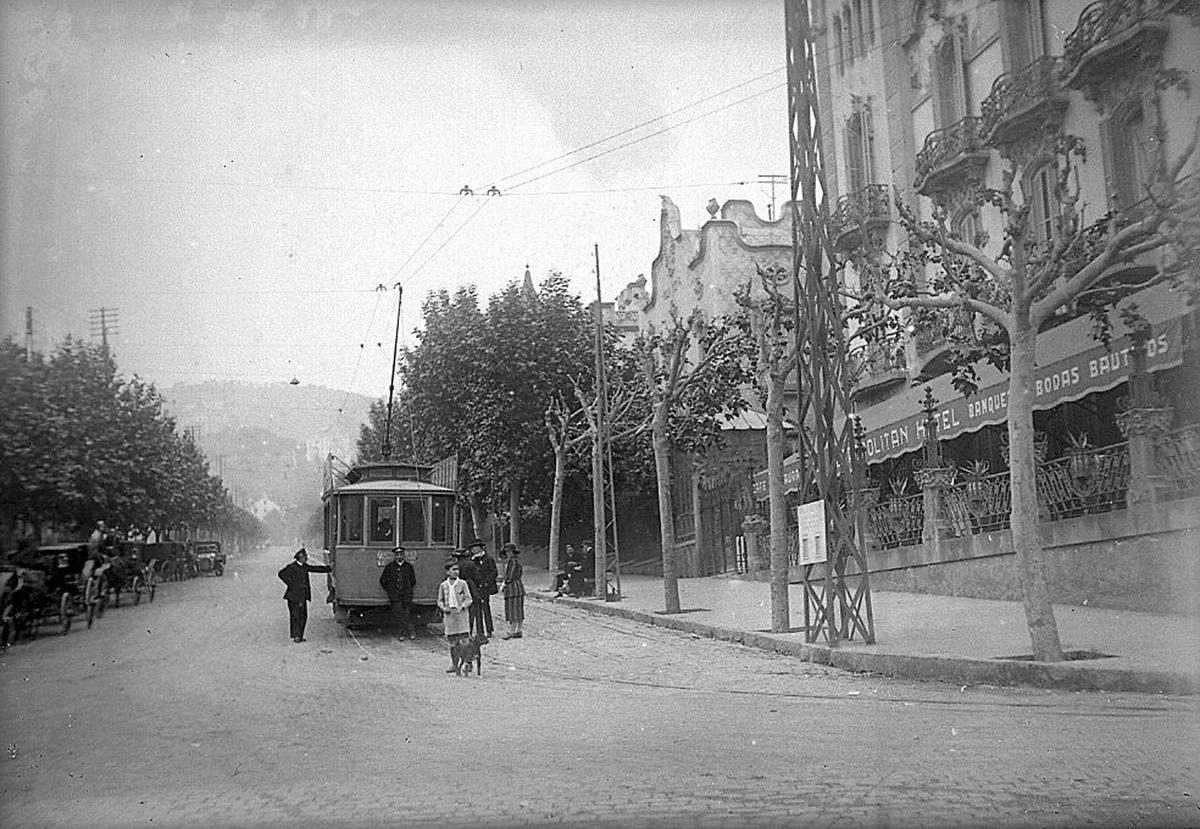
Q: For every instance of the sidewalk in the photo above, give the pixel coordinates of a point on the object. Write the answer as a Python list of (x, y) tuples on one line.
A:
[(927, 637)]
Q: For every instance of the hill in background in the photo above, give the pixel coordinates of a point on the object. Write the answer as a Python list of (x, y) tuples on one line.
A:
[(268, 442)]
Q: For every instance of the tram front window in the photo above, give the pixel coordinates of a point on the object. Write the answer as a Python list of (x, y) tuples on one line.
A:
[(412, 520), (381, 518), (350, 519), (443, 513)]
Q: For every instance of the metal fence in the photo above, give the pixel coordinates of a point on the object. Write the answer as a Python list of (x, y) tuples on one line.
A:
[(1177, 457)]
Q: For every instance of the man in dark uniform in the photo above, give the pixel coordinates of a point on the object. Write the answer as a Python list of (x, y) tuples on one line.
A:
[(486, 575), (398, 579), (299, 592), (469, 572)]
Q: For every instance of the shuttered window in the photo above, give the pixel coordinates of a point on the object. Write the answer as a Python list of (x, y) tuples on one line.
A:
[(951, 101), (860, 147), (1043, 204)]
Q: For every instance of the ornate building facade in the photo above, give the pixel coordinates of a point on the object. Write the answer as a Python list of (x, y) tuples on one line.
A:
[(930, 106)]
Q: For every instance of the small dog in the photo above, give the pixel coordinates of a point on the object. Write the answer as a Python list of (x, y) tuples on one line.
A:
[(465, 652)]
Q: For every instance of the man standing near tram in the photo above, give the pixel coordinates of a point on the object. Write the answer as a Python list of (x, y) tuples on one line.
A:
[(299, 591), (397, 580)]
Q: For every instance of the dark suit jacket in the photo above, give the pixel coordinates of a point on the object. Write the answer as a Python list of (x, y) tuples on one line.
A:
[(295, 576), (398, 580)]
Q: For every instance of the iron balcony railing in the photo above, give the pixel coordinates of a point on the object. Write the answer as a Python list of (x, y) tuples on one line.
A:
[(1128, 26), (870, 205), (1020, 97), (945, 152)]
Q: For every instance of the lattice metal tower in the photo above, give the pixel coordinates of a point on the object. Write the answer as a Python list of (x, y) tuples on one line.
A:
[(829, 451)]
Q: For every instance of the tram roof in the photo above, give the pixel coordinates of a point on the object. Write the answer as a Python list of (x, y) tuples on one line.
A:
[(398, 486)]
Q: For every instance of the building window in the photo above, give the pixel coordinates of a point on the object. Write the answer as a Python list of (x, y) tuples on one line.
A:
[(1041, 193), (967, 228), (860, 147), (951, 99), (1128, 138)]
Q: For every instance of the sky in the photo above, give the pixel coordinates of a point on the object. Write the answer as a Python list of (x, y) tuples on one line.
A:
[(232, 181)]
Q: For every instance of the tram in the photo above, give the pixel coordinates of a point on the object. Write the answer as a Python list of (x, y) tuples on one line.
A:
[(370, 509)]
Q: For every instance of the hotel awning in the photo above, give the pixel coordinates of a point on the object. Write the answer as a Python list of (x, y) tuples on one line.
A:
[(896, 426)]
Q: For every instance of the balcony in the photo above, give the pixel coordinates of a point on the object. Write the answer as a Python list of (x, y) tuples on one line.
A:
[(865, 209), (1112, 33), (934, 332), (878, 367), (949, 156), (1021, 101)]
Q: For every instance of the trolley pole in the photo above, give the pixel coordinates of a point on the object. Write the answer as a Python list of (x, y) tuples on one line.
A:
[(386, 448)]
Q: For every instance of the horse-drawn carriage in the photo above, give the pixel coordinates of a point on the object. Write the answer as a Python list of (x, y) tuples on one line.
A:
[(49, 584), (127, 570)]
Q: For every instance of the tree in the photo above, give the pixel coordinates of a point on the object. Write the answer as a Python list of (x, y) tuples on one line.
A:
[(1006, 297), (771, 319), (477, 385), (687, 396), (80, 443), (370, 435)]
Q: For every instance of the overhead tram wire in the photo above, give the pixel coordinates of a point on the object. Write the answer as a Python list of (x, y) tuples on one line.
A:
[(646, 137), (647, 122), (881, 26)]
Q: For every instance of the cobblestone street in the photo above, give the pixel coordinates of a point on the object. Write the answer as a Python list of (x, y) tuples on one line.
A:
[(198, 710)]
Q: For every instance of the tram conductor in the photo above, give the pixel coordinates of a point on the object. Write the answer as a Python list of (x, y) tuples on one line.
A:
[(299, 592)]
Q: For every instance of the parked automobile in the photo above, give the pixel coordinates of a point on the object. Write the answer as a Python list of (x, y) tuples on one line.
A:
[(210, 559)]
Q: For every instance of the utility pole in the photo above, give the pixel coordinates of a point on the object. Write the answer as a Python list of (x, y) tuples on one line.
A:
[(772, 179), (604, 509), (103, 322), (29, 333), (842, 608)]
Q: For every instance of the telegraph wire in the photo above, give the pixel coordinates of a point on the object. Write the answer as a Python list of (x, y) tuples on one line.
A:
[(647, 137), (642, 124)]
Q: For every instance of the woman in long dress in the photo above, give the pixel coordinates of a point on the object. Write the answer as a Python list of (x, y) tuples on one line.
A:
[(514, 591)]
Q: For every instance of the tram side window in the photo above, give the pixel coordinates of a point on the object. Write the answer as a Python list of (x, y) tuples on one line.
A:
[(381, 519), (330, 534), (442, 529), (350, 519), (412, 520)]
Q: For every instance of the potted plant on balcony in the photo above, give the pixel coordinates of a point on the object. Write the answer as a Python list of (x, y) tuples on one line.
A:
[(978, 493), (1083, 464)]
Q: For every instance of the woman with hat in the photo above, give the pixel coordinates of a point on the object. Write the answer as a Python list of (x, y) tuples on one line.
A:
[(514, 591)]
